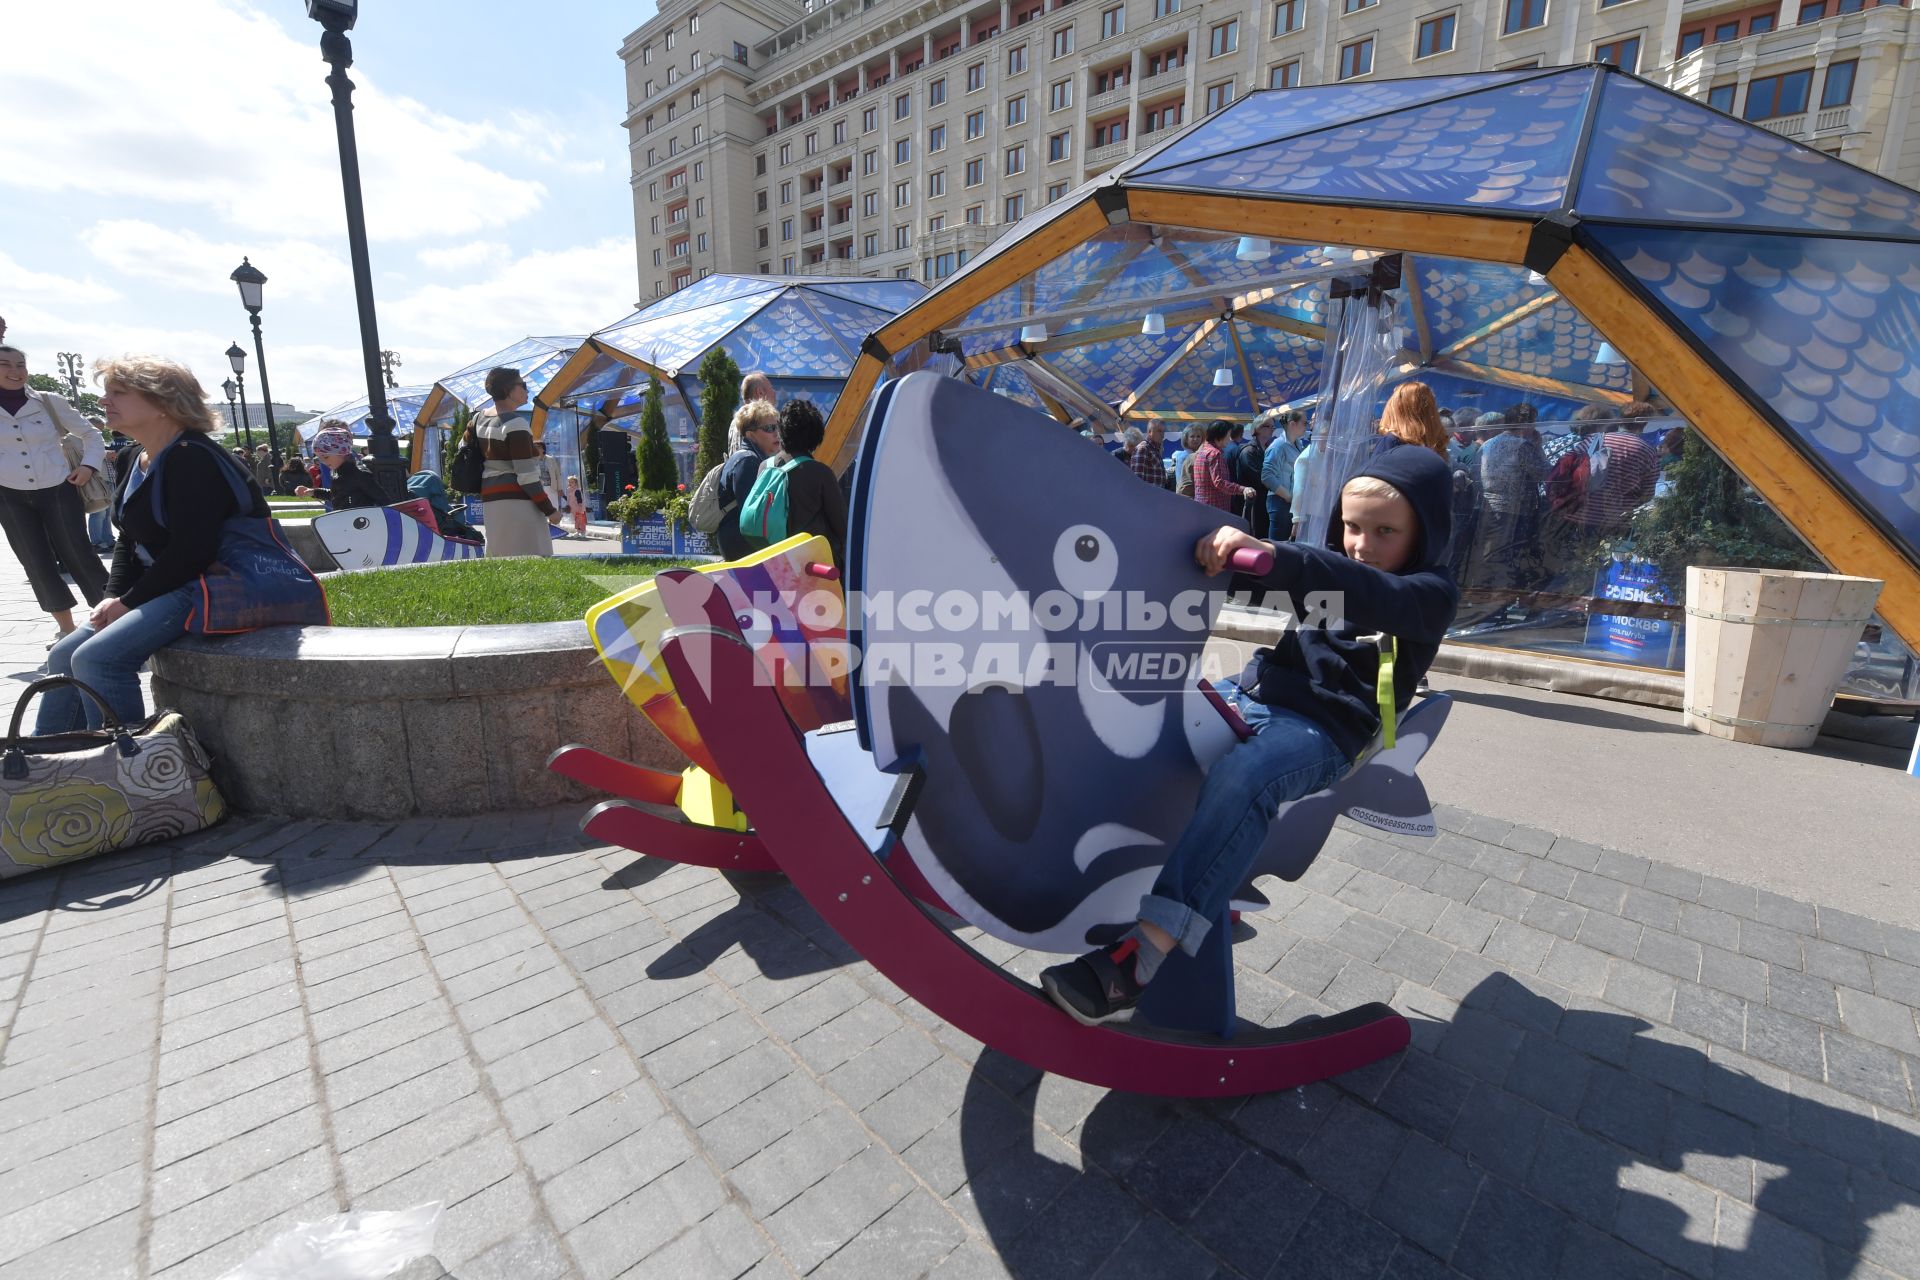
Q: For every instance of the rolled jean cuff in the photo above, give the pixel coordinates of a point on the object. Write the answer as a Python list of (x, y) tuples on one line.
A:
[(1187, 927)]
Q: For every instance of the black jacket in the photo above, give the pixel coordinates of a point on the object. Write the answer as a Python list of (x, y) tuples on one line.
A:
[(737, 475), (352, 487), (815, 505), (1328, 673), (198, 501)]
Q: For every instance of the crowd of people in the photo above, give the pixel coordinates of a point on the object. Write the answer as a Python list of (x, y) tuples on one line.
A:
[(1529, 507)]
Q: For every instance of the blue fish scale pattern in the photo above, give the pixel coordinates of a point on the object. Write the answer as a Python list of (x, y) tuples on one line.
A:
[(1505, 148), (537, 359), (403, 406), (1822, 330), (1269, 115), (1190, 388), (784, 335), (1662, 157), (1554, 342), (678, 339)]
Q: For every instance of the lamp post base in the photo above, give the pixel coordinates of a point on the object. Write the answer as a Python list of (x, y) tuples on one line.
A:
[(391, 475)]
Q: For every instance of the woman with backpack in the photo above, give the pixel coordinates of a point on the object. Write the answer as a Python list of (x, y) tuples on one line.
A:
[(795, 493)]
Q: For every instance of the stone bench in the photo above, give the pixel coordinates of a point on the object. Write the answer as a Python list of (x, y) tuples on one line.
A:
[(399, 722)]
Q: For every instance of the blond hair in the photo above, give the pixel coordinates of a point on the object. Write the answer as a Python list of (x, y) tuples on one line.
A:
[(171, 387), (754, 415), (1369, 487), (1413, 415)]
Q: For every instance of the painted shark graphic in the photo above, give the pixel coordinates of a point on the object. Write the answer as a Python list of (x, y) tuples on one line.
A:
[(371, 537), (1052, 797)]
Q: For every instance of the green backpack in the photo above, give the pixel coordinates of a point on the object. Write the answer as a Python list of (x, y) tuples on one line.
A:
[(763, 516)]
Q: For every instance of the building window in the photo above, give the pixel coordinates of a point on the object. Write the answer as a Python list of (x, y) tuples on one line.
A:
[(695, 98), (786, 229), (1284, 76), (653, 191), (936, 183), (699, 170), (902, 150), (1691, 41), (1288, 15), (869, 120), (648, 128), (699, 206), (839, 132), (1624, 54), (976, 123), (1218, 96), (974, 215), (693, 23), (903, 106), (760, 166), (702, 245), (936, 224), (762, 237), (976, 172), (1356, 59), (1169, 116), (1016, 60), (1165, 8), (870, 244), (1063, 42), (870, 204), (786, 265), (1781, 95), (786, 192), (937, 92), (936, 139), (1436, 36), (811, 143), (656, 252), (976, 76), (1759, 22), (1837, 90), (1113, 21), (1224, 39), (1016, 206), (1720, 98), (1166, 60), (902, 194), (786, 153), (1355, 6), (1524, 15), (1017, 109), (1110, 132), (902, 237), (740, 56), (869, 163), (1060, 95), (1017, 159), (646, 53), (654, 228), (1059, 147), (1108, 80)]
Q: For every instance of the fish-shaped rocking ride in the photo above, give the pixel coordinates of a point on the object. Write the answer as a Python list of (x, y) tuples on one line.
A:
[(1034, 808), (375, 537)]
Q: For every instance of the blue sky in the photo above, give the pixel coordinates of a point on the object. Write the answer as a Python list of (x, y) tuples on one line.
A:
[(152, 144)]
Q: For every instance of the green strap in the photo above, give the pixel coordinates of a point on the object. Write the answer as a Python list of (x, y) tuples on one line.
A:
[(1383, 691)]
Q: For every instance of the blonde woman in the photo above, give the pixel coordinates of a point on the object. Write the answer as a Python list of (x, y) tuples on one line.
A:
[(756, 425), (169, 535)]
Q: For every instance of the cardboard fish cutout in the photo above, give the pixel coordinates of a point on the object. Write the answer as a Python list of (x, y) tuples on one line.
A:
[(371, 537)]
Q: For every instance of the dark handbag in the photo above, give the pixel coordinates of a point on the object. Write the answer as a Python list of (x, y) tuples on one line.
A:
[(69, 796), (469, 466), (255, 580)]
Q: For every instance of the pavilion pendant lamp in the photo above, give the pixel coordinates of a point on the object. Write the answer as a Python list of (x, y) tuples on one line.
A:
[(1607, 355), (1032, 333), (1223, 377), (1154, 325), (1536, 279), (1252, 249)]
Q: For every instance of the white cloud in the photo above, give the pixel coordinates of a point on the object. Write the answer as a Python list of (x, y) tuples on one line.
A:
[(459, 257), (566, 291), (17, 281), (188, 260), (241, 121)]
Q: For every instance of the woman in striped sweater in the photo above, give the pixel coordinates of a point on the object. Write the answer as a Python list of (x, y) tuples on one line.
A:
[(518, 509)]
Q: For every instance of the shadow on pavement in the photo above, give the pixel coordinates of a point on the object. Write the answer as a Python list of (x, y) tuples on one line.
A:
[(1521, 1138)]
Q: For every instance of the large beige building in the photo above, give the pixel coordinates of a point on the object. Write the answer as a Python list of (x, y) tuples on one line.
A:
[(889, 137)]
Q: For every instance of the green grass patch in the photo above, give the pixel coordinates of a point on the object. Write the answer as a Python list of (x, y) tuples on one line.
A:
[(465, 593)]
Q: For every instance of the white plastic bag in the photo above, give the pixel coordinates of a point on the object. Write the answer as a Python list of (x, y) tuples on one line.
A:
[(347, 1246)]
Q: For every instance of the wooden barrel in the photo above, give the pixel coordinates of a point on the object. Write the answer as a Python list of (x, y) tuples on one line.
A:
[(1767, 648)]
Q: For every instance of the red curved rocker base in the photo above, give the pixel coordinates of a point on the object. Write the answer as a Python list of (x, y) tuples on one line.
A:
[(836, 869), (646, 820)]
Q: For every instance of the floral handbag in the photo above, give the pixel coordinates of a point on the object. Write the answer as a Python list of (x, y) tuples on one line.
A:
[(69, 796)]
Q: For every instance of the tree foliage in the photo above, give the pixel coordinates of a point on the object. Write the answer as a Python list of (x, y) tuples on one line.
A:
[(86, 402), (658, 470), (719, 397)]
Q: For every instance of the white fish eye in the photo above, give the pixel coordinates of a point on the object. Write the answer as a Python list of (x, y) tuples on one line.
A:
[(361, 522), (755, 627), (1085, 561)]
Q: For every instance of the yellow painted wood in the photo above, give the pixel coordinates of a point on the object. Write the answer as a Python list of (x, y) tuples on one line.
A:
[(561, 382), (708, 801), (1438, 234), (1816, 508), (1410, 265), (843, 424)]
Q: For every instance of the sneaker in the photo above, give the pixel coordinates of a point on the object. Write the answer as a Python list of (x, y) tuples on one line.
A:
[(1098, 987)]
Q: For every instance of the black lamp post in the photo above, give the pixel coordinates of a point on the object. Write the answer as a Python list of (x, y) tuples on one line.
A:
[(389, 361), (72, 365), (251, 281), (238, 359), (230, 387), (337, 17)]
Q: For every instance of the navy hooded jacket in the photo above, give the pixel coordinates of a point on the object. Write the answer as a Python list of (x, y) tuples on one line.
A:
[(1328, 673)]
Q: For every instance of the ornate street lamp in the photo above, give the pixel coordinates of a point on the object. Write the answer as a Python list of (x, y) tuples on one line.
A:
[(72, 366), (252, 282), (238, 359), (389, 361), (337, 17), (230, 387)]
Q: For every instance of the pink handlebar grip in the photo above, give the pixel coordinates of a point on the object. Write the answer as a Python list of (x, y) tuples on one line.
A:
[(1255, 562), (832, 574)]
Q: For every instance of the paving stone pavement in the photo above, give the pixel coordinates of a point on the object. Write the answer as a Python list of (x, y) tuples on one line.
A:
[(608, 1066)]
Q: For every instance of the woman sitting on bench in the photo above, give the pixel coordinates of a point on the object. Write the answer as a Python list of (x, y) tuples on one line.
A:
[(1313, 704)]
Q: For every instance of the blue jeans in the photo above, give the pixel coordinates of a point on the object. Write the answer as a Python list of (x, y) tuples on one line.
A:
[(99, 528), (1288, 757), (109, 661), (1279, 519)]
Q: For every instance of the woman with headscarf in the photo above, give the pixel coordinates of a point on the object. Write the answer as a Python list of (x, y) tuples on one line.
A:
[(351, 486)]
